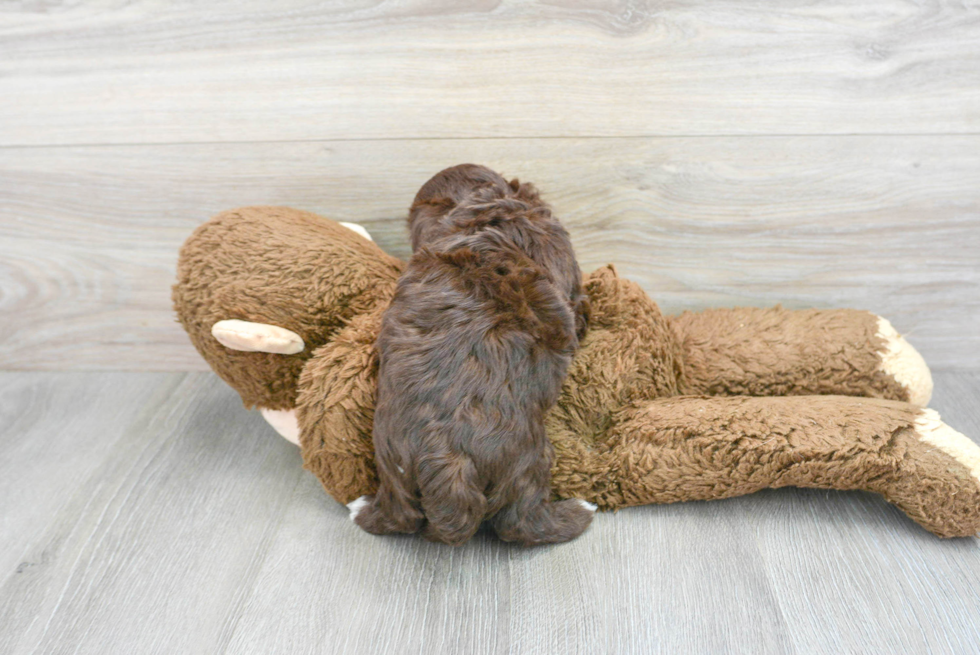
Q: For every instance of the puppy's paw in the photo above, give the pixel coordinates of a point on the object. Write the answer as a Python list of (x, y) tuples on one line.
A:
[(904, 364), (355, 506), (587, 505)]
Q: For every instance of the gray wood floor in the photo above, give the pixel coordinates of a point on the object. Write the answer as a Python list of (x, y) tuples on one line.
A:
[(150, 513)]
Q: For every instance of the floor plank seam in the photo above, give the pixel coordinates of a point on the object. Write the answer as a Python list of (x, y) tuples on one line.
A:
[(550, 137)]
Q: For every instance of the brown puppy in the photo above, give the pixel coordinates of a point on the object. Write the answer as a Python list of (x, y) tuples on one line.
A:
[(473, 352)]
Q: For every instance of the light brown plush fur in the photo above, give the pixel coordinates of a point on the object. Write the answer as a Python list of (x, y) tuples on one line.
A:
[(648, 412)]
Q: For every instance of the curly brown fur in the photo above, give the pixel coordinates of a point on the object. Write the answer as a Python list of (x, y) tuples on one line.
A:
[(467, 199), (473, 352)]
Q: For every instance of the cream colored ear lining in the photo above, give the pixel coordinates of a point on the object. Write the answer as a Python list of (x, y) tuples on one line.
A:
[(257, 337), (359, 229)]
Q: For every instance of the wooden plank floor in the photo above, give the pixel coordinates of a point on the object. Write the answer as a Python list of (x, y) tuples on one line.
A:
[(150, 513)]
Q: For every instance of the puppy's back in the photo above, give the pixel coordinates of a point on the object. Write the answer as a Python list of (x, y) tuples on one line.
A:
[(473, 352)]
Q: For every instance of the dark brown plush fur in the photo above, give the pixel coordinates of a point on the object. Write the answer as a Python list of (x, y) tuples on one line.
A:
[(473, 352)]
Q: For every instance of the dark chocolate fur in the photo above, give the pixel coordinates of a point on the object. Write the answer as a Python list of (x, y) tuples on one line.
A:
[(473, 352)]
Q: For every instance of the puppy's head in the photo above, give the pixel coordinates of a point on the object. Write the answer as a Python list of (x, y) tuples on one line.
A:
[(445, 191)]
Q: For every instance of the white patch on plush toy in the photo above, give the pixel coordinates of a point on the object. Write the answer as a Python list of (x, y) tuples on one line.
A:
[(587, 505), (359, 229), (257, 337), (284, 422), (931, 429), (904, 363), (355, 506)]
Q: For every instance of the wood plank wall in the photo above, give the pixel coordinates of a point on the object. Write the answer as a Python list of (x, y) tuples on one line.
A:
[(721, 153)]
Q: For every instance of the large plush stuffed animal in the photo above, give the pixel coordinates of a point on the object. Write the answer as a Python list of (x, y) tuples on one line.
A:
[(285, 306)]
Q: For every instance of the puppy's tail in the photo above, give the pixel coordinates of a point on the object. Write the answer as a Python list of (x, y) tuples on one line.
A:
[(452, 498)]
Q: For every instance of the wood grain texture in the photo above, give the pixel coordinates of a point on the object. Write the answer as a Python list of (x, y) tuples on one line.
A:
[(49, 446), (89, 235), (149, 513), (161, 72), (154, 548), (195, 530)]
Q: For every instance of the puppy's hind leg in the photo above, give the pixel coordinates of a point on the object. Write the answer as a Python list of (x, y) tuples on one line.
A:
[(535, 521), (388, 511)]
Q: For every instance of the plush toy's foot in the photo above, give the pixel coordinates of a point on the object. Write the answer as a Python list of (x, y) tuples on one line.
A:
[(930, 429), (904, 363), (284, 422), (938, 480)]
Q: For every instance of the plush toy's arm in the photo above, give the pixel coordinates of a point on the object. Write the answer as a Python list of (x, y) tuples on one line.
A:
[(698, 448), (779, 352), (335, 409)]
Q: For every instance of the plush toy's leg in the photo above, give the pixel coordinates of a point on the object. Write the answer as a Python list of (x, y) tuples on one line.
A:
[(335, 407), (696, 448), (779, 352)]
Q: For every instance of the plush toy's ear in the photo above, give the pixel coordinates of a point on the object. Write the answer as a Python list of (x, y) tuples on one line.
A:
[(260, 288), (257, 337)]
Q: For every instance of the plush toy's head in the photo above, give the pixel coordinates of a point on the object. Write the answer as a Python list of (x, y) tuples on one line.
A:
[(283, 267)]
